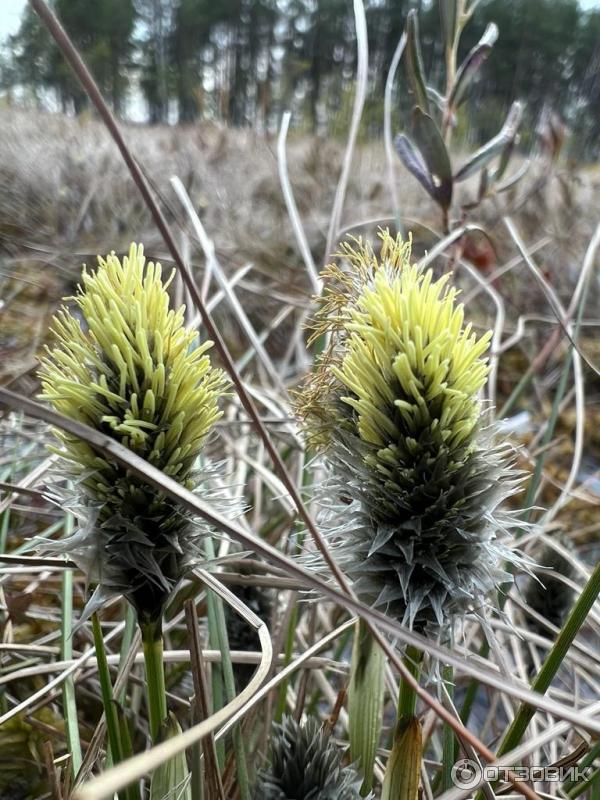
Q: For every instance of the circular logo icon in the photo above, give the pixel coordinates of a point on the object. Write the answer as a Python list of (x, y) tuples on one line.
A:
[(466, 774)]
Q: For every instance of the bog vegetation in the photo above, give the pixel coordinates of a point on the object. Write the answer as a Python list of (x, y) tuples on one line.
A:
[(299, 480)]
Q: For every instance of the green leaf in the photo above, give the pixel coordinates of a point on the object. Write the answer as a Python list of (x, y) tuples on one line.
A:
[(505, 157), (171, 780), (495, 146), (414, 163), (431, 144), (365, 702), (470, 66), (401, 781), (414, 61)]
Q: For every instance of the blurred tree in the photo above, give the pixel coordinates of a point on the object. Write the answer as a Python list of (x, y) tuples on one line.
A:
[(585, 85), (244, 61), (32, 54), (101, 29), (155, 18)]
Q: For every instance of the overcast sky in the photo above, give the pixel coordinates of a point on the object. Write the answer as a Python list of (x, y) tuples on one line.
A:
[(10, 14), (11, 10)]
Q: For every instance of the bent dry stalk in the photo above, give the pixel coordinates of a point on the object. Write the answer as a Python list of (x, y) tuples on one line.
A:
[(416, 475), (123, 363)]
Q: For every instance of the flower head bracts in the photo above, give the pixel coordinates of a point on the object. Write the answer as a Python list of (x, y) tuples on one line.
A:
[(306, 765), (411, 503), (126, 365)]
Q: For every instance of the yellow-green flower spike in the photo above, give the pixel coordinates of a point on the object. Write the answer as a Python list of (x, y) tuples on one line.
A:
[(124, 363), (395, 405)]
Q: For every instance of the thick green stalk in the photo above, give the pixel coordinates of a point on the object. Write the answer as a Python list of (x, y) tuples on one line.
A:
[(402, 775), (155, 675), (216, 672), (473, 686), (549, 433), (595, 784), (592, 783)]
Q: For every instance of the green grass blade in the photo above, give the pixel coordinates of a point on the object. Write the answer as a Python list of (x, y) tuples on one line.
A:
[(110, 711), (288, 650), (365, 702), (66, 653)]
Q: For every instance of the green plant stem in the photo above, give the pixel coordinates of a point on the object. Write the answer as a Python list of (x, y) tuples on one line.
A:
[(366, 696), (407, 699), (110, 710), (549, 433), (155, 675), (472, 688), (517, 392), (448, 740), (66, 653)]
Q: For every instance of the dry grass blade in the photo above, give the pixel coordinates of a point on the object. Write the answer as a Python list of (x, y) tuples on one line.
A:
[(359, 101), (209, 253), (387, 127), (292, 208)]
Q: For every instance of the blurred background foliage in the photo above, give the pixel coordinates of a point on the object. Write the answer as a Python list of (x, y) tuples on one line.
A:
[(245, 61)]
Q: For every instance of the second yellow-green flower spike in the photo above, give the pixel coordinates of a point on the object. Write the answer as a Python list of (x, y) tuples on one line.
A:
[(416, 472)]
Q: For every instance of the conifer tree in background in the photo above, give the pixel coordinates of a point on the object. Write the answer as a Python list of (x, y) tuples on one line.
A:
[(245, 61), (103, 32)]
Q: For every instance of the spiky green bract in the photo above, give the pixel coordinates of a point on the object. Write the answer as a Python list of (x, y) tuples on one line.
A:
[(306, 765), (124, 364), (411, 504)]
